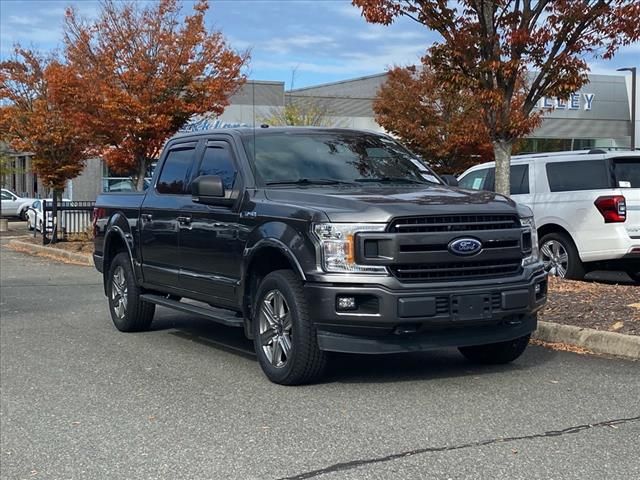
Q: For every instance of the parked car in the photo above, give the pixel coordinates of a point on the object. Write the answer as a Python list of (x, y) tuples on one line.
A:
[(35, 215), (320, 240), (586, 205), (13, 205)]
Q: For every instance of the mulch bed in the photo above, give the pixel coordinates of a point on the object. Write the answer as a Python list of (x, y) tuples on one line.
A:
[(612, 308), (83, 246)]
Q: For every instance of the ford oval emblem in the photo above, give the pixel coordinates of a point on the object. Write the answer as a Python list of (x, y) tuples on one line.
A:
[(465, 246)]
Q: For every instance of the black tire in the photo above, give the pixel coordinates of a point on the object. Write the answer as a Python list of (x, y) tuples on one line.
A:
[(137, 315), (23, 214), (305, 363), (496, 353), (575, 269)]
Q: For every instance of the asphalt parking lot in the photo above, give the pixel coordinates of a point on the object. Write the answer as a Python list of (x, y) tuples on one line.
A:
[(79, 400)]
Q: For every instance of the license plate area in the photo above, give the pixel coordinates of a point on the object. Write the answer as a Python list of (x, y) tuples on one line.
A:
[(470, 307)]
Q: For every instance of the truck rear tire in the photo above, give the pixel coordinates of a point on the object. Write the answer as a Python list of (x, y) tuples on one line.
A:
[(128, 312), (496, 353), (284, 336), (560, 256)]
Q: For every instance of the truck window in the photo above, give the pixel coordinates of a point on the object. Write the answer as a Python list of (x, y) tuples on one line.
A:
[(474, 180), (627, 172), (217, 161), (173, 177), (581, 175)]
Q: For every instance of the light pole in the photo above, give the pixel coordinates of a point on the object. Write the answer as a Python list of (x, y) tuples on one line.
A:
[(633, 103)]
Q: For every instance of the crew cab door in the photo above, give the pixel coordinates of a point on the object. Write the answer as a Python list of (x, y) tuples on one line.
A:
[(160, 216), (212, 239)]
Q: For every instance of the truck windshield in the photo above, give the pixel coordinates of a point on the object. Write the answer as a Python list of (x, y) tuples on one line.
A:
[(329, 158)]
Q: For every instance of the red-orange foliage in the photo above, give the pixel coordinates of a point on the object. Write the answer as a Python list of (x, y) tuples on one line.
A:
[(511, 53), (140, 72), (35, 118), (443, 125)]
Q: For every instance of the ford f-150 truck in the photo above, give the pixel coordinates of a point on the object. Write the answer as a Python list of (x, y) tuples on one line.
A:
[(321, 240)]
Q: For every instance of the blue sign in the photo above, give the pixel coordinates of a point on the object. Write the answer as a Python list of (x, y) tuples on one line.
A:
[(576, 101)]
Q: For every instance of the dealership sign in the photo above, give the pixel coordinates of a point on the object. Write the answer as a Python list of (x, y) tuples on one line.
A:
[(199, 123), (576, 101)]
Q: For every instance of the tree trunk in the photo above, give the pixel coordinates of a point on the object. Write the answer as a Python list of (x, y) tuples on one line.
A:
[(142, 170), (54, 217), (502, 152)]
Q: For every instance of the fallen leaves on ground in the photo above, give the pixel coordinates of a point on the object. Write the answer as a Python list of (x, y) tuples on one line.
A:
[(593, 305), (562, 347)]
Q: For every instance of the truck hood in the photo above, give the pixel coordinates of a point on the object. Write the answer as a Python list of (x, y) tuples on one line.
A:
[(382, 203)]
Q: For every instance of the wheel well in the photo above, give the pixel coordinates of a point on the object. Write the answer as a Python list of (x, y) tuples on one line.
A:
[(265, 261), (114, 246), (552, 228)]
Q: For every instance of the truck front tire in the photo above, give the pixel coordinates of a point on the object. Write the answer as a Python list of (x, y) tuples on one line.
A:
[(496, 353), (284, 336), (128, 312)]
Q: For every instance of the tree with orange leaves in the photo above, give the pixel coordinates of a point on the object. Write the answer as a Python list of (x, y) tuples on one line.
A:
[(35, 117), (443, 125), (509, 53), (139, 72)]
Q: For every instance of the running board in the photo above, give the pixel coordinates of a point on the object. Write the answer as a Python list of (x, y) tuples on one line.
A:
[(219, 315)]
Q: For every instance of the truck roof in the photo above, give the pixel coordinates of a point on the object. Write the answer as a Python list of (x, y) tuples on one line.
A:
[(259, 131)]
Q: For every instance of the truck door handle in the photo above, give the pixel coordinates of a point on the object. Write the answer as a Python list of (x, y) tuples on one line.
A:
[(185, 221), (147, 217)]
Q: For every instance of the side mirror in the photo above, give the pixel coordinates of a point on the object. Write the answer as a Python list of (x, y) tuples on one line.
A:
[(209, 190), (450, 180)]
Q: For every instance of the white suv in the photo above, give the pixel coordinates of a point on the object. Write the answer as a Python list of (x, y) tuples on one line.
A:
[(586, 206)]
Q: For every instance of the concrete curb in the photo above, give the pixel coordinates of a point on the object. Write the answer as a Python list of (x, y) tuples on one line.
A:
[(607, 343), (51, 252)]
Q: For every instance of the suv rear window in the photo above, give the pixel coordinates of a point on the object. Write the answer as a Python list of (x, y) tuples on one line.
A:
[(627, 172), (581, 175)]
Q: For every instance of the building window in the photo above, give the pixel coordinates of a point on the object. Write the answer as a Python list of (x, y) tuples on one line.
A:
[(542, 145)]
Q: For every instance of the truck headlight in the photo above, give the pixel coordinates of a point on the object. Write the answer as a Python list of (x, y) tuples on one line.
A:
[(337, 245), (530, 231)]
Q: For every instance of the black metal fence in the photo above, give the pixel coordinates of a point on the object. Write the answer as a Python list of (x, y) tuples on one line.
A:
[(74, 218)]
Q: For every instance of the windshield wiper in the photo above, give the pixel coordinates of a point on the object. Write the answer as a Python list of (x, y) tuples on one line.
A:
[(310, 181), (390, 180)]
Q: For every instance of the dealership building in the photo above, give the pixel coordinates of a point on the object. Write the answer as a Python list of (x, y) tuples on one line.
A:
[(598, 115)]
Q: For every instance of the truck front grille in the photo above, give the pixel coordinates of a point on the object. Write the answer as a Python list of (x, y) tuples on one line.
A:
[(455, 271), (420, 252), (454, 223)]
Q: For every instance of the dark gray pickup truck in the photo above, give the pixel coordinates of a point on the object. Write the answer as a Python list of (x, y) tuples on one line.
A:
[(318, 241)]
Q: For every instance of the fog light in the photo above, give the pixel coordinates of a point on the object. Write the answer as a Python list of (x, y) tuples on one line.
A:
[(537, 289), (346, 303)]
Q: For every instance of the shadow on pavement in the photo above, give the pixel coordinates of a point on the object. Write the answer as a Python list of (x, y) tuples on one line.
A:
[(346, 368)]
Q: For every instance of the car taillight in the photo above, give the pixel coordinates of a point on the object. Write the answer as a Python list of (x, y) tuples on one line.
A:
[(613, 208)]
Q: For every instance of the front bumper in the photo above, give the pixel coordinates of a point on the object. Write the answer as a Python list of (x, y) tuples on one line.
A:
[(411, 319)]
